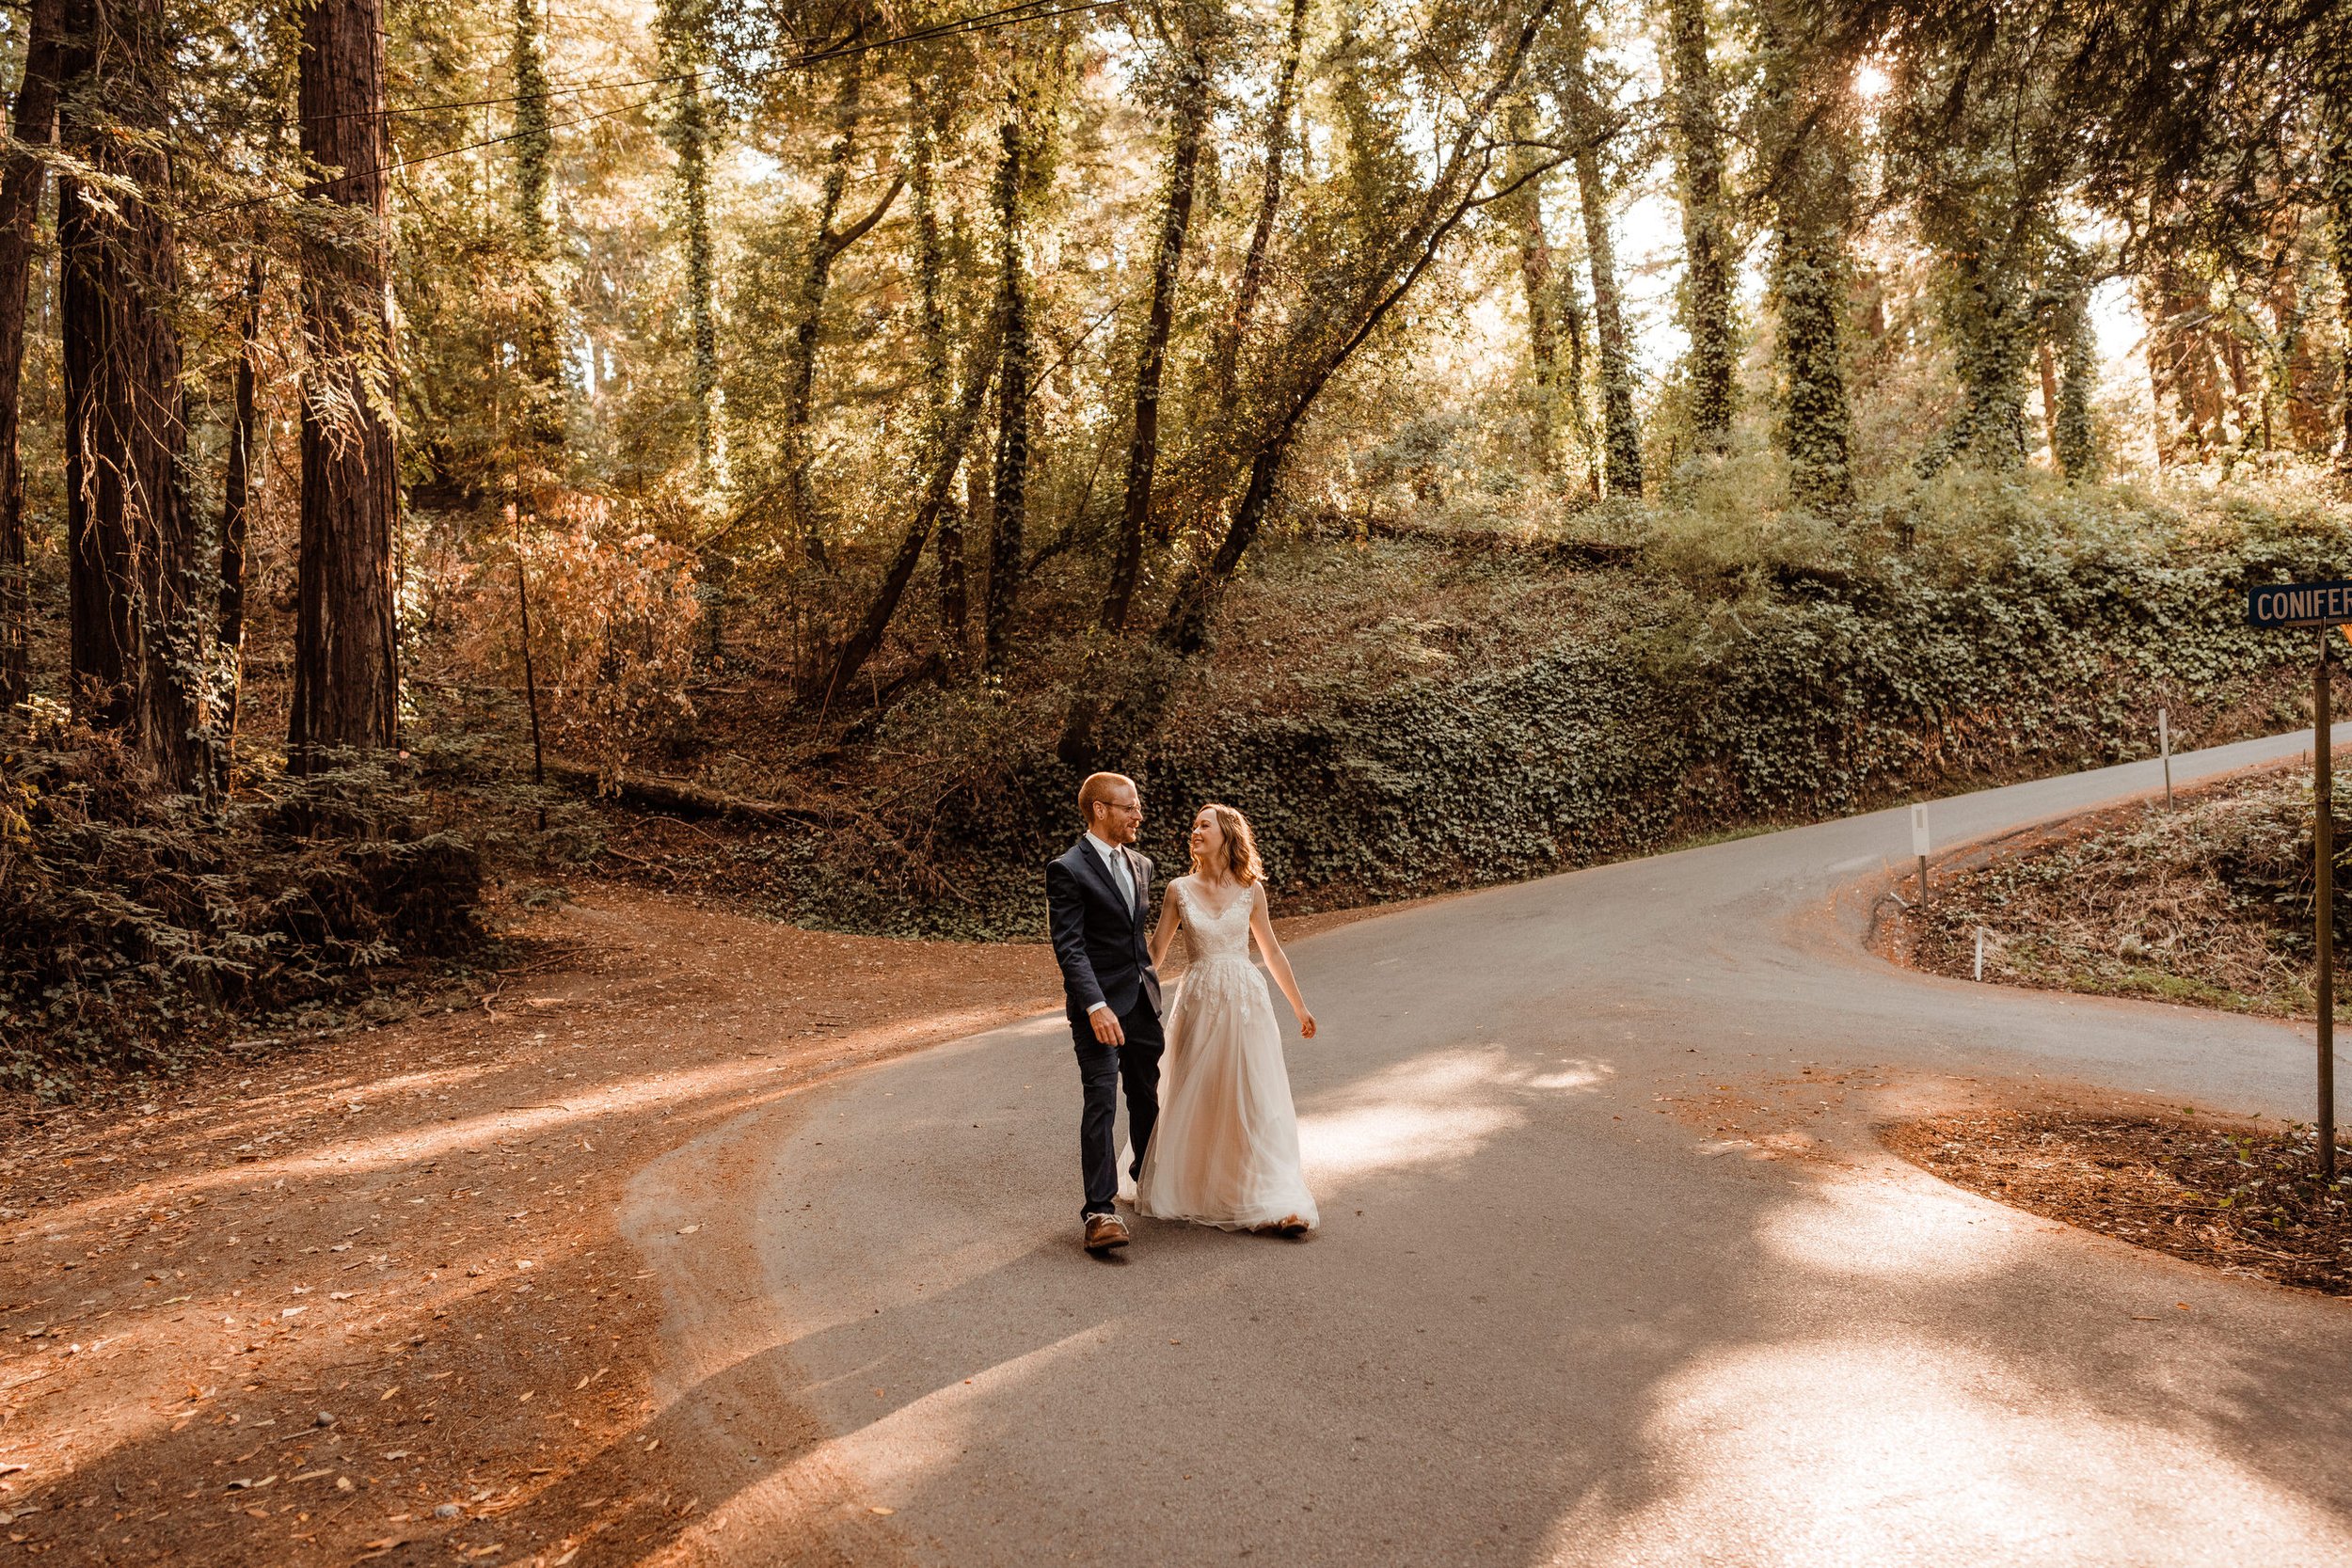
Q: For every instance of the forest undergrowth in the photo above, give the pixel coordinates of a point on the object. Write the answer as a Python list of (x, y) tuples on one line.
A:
[(147, 930), (1407, 709)]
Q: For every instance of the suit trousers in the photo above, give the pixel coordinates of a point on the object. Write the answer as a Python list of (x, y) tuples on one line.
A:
[(1101, 1070)]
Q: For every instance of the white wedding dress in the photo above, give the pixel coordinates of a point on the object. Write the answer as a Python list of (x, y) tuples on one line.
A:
[(1225, 1150)]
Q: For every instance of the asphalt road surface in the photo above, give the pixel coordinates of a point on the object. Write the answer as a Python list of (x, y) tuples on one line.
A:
[(1551, 1317)]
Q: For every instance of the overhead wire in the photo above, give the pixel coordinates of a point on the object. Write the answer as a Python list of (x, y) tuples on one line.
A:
[(983, 22), (952, 26)]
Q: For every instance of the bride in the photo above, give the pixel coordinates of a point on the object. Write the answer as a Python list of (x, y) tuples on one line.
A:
[(1225, 1151)]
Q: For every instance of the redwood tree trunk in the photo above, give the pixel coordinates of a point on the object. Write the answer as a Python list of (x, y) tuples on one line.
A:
[(35, 125), (235, 511), (345, 677), (137, 644)]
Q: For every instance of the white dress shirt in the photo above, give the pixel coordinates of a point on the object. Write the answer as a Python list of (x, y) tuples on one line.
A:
[(1114, 861)]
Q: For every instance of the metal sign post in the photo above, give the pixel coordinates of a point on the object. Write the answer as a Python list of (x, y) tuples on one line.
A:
[(2323, 917), (2322, 604)]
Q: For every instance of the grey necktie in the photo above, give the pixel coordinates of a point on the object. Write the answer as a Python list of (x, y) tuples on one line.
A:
[(1121, 876)]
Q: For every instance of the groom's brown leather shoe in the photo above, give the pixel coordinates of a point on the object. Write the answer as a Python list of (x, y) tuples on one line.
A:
[(1105, 1231)]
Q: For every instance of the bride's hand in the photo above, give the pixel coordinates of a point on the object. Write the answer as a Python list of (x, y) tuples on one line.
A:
[(1306, 1025)]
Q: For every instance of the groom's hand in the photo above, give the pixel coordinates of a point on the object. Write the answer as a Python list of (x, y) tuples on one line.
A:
[(1106, 1029)]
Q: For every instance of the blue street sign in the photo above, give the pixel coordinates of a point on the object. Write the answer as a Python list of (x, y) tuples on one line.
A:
[(2298, 603)]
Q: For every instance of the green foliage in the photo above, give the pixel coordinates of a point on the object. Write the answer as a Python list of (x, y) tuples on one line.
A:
[(138, 925)]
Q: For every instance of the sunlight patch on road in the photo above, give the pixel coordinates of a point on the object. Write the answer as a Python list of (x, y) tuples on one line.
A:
[(1436, 1108), (1894, 1232), (888, 1449), (1856, 1454)]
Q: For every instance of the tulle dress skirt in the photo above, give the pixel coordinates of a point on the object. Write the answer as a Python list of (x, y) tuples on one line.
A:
[(1225, 1150)]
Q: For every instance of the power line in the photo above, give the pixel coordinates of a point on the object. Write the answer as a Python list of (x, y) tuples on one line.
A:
[(952, 27), (984, 21)]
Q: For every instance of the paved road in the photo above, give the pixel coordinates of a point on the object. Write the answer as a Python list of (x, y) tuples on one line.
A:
[(1544, 1323)]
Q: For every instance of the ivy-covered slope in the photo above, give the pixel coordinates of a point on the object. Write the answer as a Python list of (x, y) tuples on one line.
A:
[(1648, 703)]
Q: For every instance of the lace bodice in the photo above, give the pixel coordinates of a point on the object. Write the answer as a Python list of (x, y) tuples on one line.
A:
[(1214, 932)]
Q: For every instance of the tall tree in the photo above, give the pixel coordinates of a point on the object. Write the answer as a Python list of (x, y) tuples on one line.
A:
[(1524, 214), (1273, 149), (138, 642), (346, 643), (1621, 432), (1343, 302), (683, 26), (1574, 373), (22, 175), (1709, 252), (825, 247), (539, 330), (1188, 114), (1808, 193), (1024, 141), (236, 512)]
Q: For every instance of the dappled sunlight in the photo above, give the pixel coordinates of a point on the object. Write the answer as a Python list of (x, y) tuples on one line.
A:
[(576, 1108), (1858, 1453), (908, 1443), (1436, 1108), (1893, 1232)]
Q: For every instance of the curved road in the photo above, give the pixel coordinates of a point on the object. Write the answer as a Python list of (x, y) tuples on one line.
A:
[(1555, 1315)]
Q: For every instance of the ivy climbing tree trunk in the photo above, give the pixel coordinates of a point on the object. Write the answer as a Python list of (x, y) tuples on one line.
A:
[(1524, 214), (346, 683), (1573, 375), (1009, 505), (2072, 441), (22, 175), (689, 133), (1706, 233), (1621, 434), (1190, 117), (825, 247), (1808, 194), (1989, 314), (539, 332), (138, 641)]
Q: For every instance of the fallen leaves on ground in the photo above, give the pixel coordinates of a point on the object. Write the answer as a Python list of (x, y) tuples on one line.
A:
[(2243, 1197)]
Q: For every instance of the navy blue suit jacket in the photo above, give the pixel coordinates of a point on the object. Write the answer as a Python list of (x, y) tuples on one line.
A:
[(1102, 942)]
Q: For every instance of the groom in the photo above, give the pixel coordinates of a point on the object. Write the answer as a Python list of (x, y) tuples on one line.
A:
[(1098, 899)]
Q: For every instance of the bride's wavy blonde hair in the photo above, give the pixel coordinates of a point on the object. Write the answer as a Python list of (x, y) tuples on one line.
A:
[(1241, 846)]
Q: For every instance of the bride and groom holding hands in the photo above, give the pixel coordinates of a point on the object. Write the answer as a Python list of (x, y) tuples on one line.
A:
[(1220, 1148)]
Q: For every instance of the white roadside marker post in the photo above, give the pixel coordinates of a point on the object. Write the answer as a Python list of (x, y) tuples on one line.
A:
[(2164, 744), (1920, 848), (1980, 952)]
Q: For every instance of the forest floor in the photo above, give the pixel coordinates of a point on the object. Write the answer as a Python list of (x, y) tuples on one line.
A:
[(364, 1297)]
